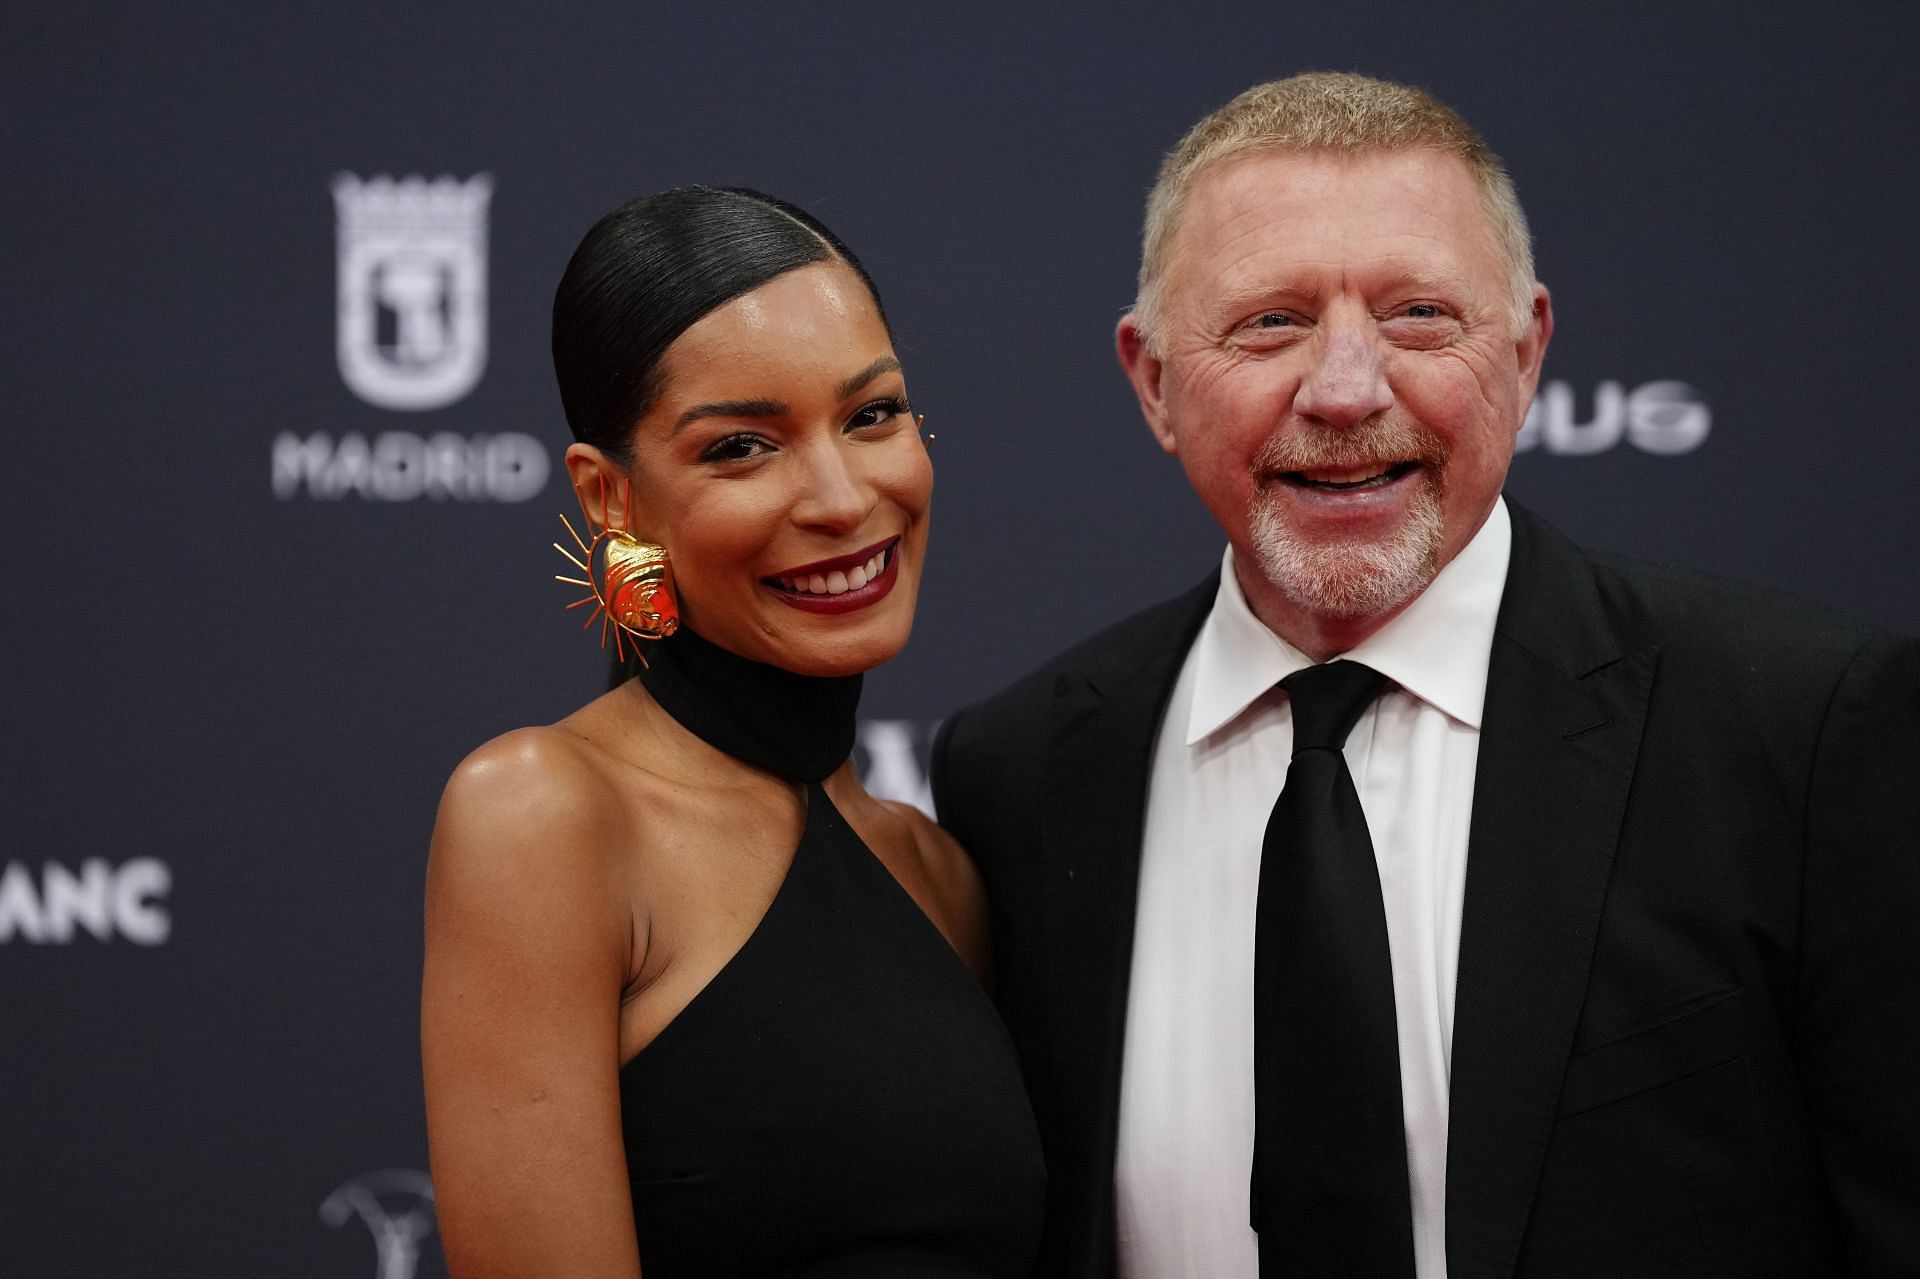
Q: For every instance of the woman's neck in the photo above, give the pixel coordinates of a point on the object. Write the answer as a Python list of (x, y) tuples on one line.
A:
[(798, 726)]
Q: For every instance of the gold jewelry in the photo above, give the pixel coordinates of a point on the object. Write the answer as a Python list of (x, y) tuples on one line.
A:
[(633, 590), (920, 423)]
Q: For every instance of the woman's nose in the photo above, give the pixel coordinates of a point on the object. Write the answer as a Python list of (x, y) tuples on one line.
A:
[(835, 495)]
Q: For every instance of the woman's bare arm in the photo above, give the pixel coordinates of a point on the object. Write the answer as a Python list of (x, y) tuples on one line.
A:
[(528, 937)]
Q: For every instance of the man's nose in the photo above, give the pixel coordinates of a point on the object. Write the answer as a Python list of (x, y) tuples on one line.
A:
[(1347, 381), (835, 494)]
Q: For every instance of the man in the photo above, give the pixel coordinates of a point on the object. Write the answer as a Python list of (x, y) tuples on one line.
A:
[(1614, 967)]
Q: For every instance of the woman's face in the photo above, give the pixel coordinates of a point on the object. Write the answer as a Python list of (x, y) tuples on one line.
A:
[(782, 470)]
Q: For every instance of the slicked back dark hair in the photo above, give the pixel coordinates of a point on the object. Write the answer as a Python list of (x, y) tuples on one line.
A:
[(649, 271)]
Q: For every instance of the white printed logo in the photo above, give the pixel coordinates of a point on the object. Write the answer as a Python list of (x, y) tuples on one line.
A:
[(892, 768), (396, 1207), (1656, 417), (104, 900), (412, 288), (398, 466)]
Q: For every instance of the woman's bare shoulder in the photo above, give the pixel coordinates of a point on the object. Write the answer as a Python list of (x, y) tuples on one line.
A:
[(528, 761), (540, 778), (956, 884), (939, 850), (533, 818)]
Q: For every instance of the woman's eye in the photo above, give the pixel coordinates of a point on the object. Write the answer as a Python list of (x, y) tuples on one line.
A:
[(734, 448), (878, 412)]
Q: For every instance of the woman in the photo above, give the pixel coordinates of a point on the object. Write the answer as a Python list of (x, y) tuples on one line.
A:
[(694, 1002)]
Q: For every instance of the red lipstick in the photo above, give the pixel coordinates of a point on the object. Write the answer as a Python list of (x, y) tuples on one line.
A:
[(811, 584), (842, 563)]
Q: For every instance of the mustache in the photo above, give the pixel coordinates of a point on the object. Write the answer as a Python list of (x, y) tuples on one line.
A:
[(1312, 446)]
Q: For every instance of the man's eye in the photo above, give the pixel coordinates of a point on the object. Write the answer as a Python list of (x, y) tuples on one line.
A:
[(1423, 311), (1272, 320), (734, 448)]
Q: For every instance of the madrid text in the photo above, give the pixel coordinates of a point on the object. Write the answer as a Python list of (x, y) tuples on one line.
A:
[(399, 466)]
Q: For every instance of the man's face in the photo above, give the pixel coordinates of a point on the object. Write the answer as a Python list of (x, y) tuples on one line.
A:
[(1341, 374)]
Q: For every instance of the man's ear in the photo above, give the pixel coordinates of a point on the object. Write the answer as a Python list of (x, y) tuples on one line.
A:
[(601, 485), (1145, 371), (1530, 348)]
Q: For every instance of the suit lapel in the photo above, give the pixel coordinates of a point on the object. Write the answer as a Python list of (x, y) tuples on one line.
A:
[(1100, 750), (1559, 738)]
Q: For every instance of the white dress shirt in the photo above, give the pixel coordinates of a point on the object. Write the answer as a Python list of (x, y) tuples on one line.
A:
[(1186, 1103)]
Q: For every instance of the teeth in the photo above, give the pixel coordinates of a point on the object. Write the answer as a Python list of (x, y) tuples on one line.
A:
[(1352, 476), (836, 582)]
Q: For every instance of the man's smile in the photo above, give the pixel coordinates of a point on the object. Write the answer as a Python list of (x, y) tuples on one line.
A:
[(1347, 479)]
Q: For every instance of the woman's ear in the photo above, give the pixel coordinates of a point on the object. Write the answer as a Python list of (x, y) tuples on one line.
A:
[(602, 486)]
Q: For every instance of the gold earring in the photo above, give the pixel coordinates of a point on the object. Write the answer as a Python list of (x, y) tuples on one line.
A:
[(920, 423), (633, 590)]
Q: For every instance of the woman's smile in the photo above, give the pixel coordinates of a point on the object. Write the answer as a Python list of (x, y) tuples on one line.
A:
[(843, 584)]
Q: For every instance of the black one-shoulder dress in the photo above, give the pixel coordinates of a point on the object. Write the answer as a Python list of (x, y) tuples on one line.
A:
[(841, 1099)]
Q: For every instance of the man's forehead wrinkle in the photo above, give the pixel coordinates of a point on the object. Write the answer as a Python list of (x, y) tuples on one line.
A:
[(1227, 237), (1228, 209), (1265, 289), (1318, 279), (1321, 276)]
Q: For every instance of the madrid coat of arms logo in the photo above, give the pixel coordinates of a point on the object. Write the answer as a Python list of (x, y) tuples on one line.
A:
[(412, 297)]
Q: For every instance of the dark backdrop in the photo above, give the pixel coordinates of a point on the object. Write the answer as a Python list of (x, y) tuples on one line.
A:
[(246, 642)]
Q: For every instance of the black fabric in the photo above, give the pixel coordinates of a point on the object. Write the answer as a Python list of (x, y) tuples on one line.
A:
[(799, 726), (1686, 1014), (1329, 1189), (840, 1100)]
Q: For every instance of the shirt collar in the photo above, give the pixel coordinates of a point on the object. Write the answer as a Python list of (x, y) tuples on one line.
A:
[(1237, 659)]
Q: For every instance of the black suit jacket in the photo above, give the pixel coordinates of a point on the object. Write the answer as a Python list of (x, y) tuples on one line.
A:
[(1687, 1032)]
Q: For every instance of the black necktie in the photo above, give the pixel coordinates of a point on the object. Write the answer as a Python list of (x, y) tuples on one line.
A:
[(1330, 1194)]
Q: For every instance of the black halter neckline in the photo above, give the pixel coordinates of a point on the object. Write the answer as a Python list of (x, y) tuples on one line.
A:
[(799, 726)]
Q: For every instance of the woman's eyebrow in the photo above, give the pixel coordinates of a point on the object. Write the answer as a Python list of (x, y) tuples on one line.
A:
[(730, 408), (774, 408), (885, 364)]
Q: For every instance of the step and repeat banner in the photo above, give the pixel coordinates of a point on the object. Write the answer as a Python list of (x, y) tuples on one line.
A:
[(283, 457)]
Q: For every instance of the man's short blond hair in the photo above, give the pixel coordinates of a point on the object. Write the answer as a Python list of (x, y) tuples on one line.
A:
[(1329, 111)]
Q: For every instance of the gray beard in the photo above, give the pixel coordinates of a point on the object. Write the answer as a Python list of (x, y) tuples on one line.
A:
[(1349, 578)]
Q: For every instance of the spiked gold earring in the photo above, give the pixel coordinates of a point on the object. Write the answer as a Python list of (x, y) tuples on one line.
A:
[(629, 582)]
